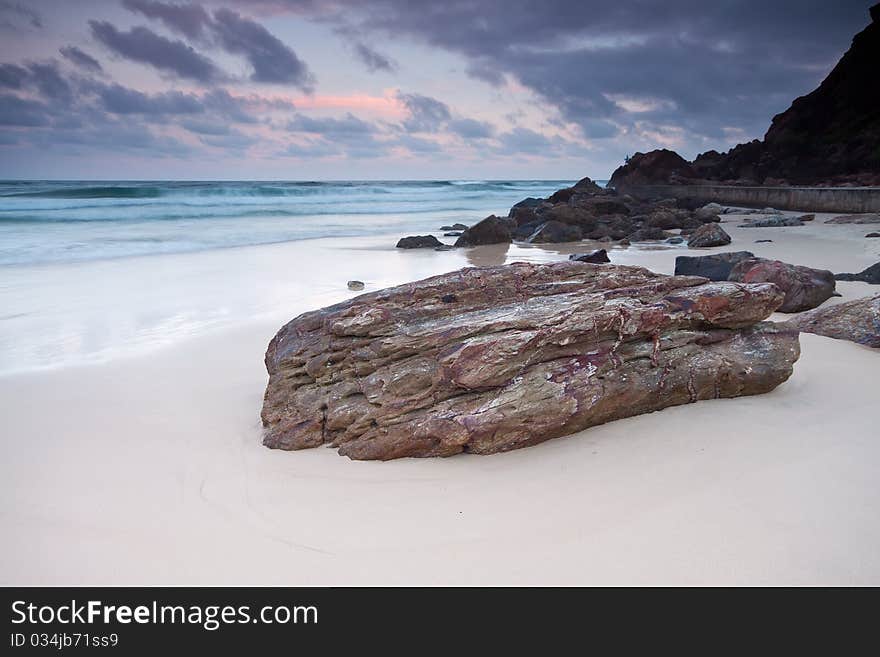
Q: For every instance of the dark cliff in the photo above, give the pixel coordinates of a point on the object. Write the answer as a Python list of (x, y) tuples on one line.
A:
[(829, 136)]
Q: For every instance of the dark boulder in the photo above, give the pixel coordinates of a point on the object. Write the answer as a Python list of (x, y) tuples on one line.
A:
[(561, 195), (708, 235), (597, 257), (660, 166), (529, 202), (418, 242), (491, 230), (664, 219), (648, 235), (715, 267), (587, 185), (869, 275), (555, 231)]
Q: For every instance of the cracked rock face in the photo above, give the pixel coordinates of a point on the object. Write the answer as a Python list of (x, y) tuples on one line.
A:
[(491, 359)]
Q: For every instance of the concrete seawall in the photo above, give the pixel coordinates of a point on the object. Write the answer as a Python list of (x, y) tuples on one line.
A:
[(808, 199)]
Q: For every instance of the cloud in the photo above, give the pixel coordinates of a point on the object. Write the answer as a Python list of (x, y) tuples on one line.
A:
[(14, 14), (49, 81), (426, 114), (189, 19), (348, 126), (347, 136), (15, 111), (207, 128), (418, 145), (271, 60), (471, 128), (44, 77), (707, 65), (146, 47), (81, 59), (12, 76), (374, 60), (524, 140), (122, 100), (232, 140)]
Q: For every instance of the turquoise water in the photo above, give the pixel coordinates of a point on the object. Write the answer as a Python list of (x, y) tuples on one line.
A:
[(45, 222)]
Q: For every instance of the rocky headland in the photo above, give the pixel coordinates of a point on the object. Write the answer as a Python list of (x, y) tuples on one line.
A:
[(829, 137)]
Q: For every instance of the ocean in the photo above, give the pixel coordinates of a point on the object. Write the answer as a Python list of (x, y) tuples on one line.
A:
[(51, 222), (95, 271)]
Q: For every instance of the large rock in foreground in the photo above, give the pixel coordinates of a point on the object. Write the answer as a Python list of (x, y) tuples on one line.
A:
[(856, 321), (491, 359)]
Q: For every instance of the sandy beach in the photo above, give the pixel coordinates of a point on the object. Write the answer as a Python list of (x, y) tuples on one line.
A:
[(132, 454)]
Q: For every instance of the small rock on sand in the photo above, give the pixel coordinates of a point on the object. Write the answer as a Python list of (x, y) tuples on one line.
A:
[(418, 242), (356, 285)]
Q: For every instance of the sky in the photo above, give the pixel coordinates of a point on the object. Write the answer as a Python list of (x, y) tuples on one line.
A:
[(396, 89)]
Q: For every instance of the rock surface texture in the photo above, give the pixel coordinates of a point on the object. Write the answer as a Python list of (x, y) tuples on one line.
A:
[(856, 321), (804, 287), (491, 359)]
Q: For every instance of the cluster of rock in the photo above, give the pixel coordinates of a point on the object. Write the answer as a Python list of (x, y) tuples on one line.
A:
[(828, 137), (586, 211), (804, 287), (485, 360)]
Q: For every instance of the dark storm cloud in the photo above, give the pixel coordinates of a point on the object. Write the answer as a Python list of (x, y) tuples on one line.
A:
[(271, 60), (691, 64), (12, 76), (189, 19), (15, 111), (426, 114), (49, 81), (122, 100), (146, 47), (373, 59), (81, 59), (43, 77)]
